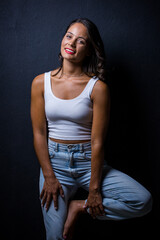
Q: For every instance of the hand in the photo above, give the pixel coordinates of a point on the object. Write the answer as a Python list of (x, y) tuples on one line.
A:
[(94, 203), (51, 189)]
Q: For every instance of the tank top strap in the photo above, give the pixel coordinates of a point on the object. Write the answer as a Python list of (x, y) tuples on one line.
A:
[(90, 86), (47, 84)]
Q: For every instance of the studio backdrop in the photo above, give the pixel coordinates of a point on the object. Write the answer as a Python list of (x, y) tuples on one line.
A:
[(30, 38)]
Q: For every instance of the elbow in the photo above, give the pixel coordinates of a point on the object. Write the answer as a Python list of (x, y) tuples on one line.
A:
[(39, 136), (98, 139), (97, 143)]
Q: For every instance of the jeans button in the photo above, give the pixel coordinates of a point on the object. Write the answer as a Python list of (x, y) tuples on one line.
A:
[(69, 146)]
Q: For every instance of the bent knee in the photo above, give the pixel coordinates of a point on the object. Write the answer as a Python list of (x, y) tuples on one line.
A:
[(147, 203), (144, 205)]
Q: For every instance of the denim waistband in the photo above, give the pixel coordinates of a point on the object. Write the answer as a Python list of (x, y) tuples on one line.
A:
[(78, 147)]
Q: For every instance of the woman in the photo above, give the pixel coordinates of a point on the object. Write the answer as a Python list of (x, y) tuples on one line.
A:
[(75, 101)]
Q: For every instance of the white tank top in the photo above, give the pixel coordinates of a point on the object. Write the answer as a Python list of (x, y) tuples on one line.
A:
[(69, 119)]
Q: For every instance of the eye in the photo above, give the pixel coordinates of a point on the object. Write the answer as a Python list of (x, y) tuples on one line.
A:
[(68, 36), (81, 41)]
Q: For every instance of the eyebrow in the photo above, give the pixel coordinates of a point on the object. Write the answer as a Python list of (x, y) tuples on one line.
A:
[(78, 37)]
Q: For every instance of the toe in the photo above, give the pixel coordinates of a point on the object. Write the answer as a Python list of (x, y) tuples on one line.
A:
[(65, 232)]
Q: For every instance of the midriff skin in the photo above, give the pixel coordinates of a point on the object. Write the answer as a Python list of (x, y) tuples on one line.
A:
[(69, 141)]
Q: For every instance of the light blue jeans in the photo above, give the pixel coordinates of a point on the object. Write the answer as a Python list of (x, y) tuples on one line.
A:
[(123, 197)]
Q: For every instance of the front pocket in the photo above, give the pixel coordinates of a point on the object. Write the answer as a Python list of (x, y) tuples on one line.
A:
[(51, 153), (88, 155)]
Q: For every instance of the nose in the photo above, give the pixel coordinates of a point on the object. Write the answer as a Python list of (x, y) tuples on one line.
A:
[(72, 43)]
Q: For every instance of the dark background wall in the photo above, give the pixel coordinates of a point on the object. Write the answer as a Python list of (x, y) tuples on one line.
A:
[(30, 36)]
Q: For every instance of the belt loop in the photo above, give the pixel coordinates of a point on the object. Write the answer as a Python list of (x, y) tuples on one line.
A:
[(56, 147), (81, 147)]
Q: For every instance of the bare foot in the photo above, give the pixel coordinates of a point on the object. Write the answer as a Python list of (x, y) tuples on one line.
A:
[(75, 208)]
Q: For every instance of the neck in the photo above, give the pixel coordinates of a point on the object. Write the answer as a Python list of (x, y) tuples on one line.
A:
[(71, 69)]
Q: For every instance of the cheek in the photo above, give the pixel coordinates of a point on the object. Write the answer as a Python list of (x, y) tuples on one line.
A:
[(62, 45)]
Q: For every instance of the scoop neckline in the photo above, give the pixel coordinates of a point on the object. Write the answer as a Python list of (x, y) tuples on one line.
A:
[(71, 98)]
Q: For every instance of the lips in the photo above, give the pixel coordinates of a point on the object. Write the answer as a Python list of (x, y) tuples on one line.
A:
[(69, 51)]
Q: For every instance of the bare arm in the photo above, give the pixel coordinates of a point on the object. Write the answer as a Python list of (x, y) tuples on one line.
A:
[(101, 115), (39, 125), (51, 184)]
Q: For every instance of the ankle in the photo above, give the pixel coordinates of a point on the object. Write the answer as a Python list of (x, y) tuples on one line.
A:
[(80, 205)]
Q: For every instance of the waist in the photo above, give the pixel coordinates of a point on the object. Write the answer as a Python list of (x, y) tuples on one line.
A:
[(69, 141), (80, 146)]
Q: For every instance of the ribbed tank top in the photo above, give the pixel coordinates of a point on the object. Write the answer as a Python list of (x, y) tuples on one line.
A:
[(69, 119)]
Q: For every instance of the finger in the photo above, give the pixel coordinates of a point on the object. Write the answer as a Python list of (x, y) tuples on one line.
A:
[(44, 199), (48, 201), (97, 211), (91, 212), (101, 209), (61, 191), (42, 193), (55, 200)]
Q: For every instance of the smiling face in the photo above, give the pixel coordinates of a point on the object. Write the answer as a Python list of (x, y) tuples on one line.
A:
[(75, 46)]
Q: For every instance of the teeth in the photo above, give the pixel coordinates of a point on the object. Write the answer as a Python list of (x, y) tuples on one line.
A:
[(70, 50)]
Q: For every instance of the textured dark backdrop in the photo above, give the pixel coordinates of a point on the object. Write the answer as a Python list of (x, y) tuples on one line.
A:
[(30, 35)]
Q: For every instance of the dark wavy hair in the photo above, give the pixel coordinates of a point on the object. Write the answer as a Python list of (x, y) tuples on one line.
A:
[(95, 62)]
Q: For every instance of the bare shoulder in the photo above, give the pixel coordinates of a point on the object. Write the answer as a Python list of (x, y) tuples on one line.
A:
[(100, 91), (38, 83), (38, 80)]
